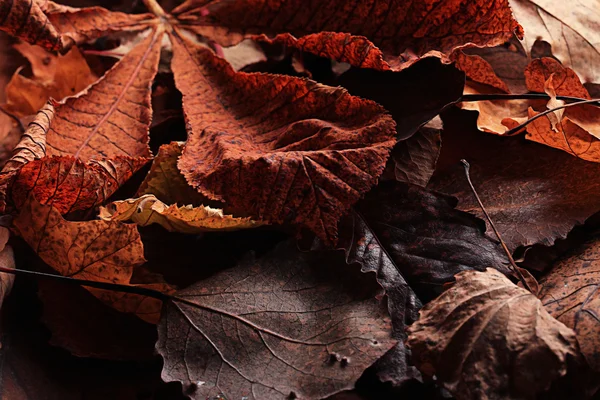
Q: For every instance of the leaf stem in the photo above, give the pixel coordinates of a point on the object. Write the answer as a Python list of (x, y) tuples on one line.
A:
[(98, 285), (523, 96), (489, 219), (155, 8)]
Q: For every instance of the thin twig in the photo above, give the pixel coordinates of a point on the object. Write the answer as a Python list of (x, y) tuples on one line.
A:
[(524, 96), (98, 285), (487, 216), (13, 117)]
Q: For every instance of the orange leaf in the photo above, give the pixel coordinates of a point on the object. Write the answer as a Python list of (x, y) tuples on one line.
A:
[(283, 149), (113, 116), (94, 250)]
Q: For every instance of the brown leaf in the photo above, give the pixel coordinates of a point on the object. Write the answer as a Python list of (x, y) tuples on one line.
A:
[(571, 293), (381, 35), (86, 24), (148, 210), (485, 337), (53, 77), (534, 194), (573, 31), (273, 328), (283, 149), (7, 260), (95, 250), (166, 182), (113, 116), (25, 19)]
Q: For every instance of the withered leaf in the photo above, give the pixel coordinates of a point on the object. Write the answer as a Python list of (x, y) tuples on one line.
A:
[(281, 148), (113, 116), (571, 293), (273, 328), (93, 250), (573, 31), (420, 231), (533, 193), (53, 77), (25, 19), (485, 337), (380, 35), (89, 23), (148, 210), (7, 260)]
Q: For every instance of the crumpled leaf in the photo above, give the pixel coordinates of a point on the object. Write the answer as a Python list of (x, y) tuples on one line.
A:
[(53, 77), (485, 337), (95, 250), (166, 182), (89, 23), (112, 117), (571, 293), (381, 35), (273, 328), (573, 31), (280, 148), (25, 19), (534, 194), (148, 210)]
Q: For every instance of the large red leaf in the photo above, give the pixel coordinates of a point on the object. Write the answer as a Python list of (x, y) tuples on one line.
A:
[(283, 149), (372, 34)]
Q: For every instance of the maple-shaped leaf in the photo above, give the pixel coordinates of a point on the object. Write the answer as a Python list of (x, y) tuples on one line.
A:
[(571, 29), (53, 77), (148, 210), (112, 117), (94, 250), (86, 24), (278, 327), (485, 337), (165, 181), (571, 293), (533, 193), (26, 20), (380, 35), (281, 148)]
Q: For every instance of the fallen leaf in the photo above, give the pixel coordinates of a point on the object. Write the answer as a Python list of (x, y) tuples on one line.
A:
[(166, 182), (425, 237), (148, 210), (381, 35), (571, 29), (298, 151), (484, 337), (53, 77), (273, 328), (26, 20), (571, 293), (112, 117), (94, 250), (7, 260), (533, 193)]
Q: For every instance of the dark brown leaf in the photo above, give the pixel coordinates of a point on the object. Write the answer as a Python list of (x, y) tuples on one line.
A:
[(283, 149), (273, 328), (486, 338)]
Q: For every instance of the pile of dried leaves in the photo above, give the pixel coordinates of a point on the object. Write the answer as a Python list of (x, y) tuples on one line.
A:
[(268, 194)]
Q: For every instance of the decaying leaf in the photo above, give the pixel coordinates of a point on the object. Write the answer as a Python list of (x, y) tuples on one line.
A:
[(283, 149), (571, 293), (93, 250), (53, 77), (278, 327), (25, 19), (485, 337), (533, 193), (381, 35), (572, 29), (148, 210)]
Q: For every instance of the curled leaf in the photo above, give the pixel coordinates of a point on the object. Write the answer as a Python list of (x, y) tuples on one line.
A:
[(148, 210), (485, 337), (280, 148)]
